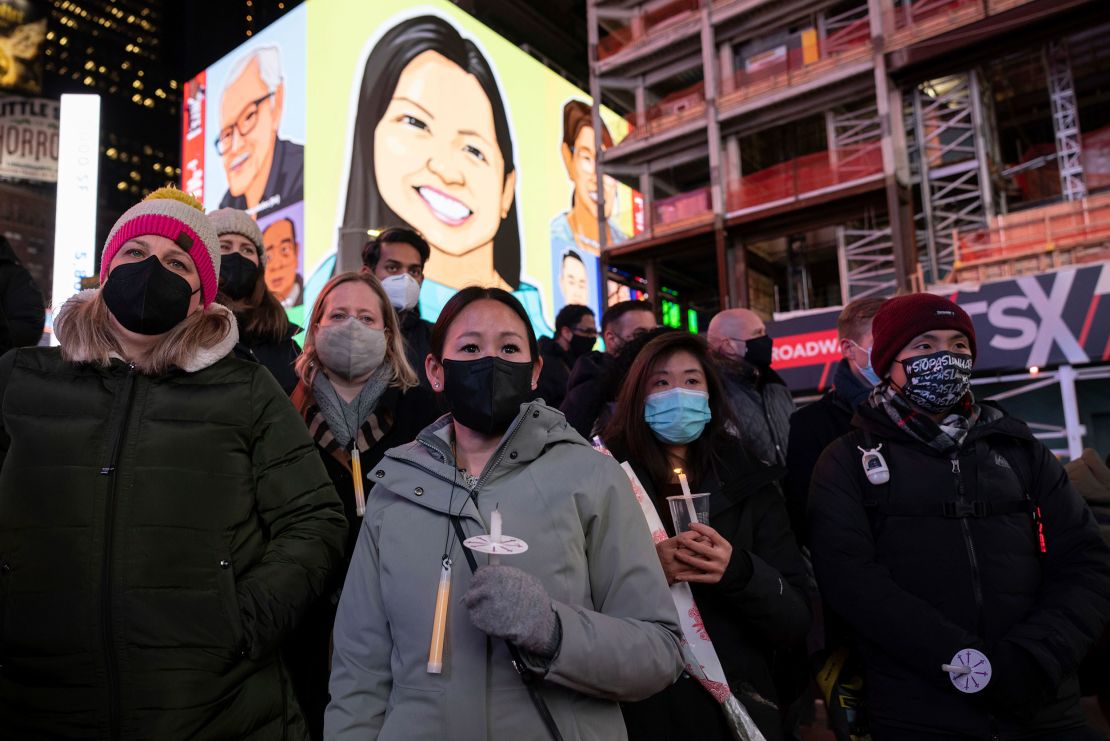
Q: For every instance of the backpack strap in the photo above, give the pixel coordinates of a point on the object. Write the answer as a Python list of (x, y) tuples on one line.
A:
[(1018, 455), (876, 497)]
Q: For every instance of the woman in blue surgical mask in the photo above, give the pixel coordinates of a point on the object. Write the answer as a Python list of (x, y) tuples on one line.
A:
[(743, 567)]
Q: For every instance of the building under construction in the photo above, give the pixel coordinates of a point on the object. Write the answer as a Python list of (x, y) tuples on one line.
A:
[(794, 155)]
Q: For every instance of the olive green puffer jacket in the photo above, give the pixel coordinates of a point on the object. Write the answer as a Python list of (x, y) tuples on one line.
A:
[(158, 538)]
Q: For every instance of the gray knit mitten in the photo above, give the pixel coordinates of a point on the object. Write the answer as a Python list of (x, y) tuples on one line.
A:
[(508, 603)]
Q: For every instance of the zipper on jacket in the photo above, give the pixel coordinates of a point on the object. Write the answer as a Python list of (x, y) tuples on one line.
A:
[(976, 581), (473, 493), (109, 469)]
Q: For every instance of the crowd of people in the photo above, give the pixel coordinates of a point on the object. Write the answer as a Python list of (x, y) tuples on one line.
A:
[(208, 531)]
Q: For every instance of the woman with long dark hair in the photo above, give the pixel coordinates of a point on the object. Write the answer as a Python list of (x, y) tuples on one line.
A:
[(583, 612), (265, 332), (432, 148), (744, 570)]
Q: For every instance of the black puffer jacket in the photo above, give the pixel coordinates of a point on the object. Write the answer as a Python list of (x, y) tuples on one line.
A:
[(555, 375), (277, 357), (418, 344), (757, 615), (584, 398), (916, 586), (21, 309), (761, 404), (812, 428), (159, 538)]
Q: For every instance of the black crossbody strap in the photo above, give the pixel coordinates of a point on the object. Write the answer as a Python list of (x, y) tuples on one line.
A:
[(526, 676)]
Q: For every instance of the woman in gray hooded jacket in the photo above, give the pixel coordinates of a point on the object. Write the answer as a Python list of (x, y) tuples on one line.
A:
[(585, 607)]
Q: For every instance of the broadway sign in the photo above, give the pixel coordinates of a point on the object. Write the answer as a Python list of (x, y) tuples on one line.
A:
[(1045, 320)]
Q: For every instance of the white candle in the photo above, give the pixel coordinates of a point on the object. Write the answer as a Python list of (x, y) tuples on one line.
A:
[(495, 527), (693, 513), (683, 482), (495, 534)]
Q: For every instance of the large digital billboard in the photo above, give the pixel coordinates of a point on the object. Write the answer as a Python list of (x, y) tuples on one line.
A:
[(346, 117)]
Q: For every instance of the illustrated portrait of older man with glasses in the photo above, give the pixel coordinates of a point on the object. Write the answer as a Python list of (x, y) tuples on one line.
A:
[(264, 172)]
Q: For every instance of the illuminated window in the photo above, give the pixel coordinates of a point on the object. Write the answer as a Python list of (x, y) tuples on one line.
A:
[(672, 315)]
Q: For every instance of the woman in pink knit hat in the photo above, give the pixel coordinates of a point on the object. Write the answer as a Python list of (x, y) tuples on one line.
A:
[(164, 516)]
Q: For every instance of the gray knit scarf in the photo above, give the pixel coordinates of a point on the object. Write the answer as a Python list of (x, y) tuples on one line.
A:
[(344, 419)]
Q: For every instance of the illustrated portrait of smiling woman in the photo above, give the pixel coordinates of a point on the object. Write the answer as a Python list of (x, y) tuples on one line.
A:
[(432, 148)]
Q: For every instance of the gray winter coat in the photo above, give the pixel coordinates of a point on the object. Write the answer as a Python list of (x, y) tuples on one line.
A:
[(588, 545), (762, 412)]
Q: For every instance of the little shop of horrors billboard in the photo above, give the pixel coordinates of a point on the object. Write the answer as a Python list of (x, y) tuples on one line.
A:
[(1057, 318)]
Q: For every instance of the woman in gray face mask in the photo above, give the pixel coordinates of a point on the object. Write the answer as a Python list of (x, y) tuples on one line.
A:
[(359, 397)]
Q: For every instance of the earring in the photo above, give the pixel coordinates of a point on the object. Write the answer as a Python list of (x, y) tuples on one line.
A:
[(435, 385)]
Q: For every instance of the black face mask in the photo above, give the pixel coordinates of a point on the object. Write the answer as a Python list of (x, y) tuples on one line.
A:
[(937, 382), (485, 394), (237, 276), (758, 351), (581, 344), (146, 297)]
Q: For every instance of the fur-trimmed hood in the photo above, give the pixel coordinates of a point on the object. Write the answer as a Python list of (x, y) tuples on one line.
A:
[(201, 359)]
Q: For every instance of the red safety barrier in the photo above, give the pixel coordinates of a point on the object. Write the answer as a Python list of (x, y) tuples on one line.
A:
[(648, 23), (911, 14), (792, 67), (676, 107), (680, 209), (1061, 226), (806, 174)]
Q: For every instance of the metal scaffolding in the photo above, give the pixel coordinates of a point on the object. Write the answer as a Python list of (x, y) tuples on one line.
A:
[(847, 130), (865, 252), (1065, 121), (952, 158)]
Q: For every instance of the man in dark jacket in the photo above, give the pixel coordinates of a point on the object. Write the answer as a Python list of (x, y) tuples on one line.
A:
[(584, 399), (948, 538), (761, 403), (396, 256), (815, 426), (20, 301), (575, 335)]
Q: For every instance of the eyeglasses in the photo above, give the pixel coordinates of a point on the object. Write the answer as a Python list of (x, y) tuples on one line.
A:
[(584, 331), (244, 124)]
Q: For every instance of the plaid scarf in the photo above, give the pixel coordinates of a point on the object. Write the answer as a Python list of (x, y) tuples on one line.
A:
[(946, 437)]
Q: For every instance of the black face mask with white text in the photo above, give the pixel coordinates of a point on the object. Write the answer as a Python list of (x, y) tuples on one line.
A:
[(937, 382)]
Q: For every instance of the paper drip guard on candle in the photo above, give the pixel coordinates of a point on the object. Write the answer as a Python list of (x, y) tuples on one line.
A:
[(495, 544)]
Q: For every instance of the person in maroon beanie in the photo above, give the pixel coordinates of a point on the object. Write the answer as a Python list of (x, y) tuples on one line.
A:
[(969, 571)]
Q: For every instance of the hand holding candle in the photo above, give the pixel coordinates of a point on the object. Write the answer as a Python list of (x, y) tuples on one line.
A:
[(688, 507), (496, 543)]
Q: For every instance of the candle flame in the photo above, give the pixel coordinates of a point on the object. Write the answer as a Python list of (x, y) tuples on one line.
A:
[(678, 470)]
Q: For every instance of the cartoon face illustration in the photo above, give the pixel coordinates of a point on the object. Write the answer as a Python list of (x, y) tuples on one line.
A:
[(581, 164), (279, 239), (573, 281), (432, 149), (437, 161), (250, 114)]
